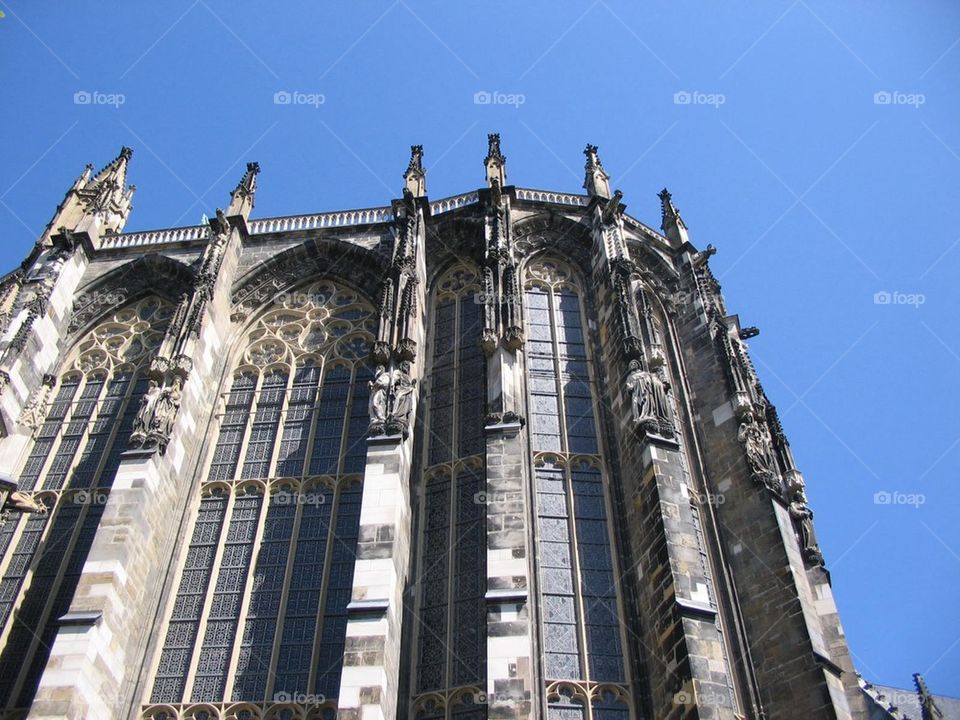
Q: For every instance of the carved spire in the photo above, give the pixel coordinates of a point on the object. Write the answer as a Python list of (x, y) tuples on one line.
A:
[(415, 177), (670, 221), (115, 171), (242, 197), (596, 182), (928, 706), (495, 163), (106, 195)]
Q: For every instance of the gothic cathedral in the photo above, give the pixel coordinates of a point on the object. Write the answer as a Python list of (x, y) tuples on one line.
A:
[(498, 455)]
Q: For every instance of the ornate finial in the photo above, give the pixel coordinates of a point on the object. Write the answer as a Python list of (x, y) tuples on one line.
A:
[(247, 183), (927, 704), (593, 159), (597, 182), (670, 221), (126, 153), (415, 176), (244, 194), (495, 163)]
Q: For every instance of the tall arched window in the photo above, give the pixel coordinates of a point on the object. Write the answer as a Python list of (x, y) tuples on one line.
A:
[(256, 627), (451, 568), (581, 633), (70, 469)]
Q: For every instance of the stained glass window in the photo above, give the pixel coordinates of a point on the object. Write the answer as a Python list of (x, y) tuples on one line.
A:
[(272, 591), (70, 468), (581, 629), (451, 614)]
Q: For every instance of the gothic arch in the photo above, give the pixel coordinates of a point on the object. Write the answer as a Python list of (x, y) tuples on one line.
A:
[(150, 274), (82, 421), (281, 487), (569, 239), (358, 266)]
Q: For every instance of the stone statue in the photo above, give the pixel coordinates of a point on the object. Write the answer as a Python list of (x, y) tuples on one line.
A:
[(402, 393), (165, 412), (650, 406), (391, 400), (379, 396), (803, 518), (756, 444), (144, 419)]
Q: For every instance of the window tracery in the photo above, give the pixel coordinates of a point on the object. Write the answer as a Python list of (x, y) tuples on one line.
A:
[(70, 468), (270, 564), (451, 613), (582, 637)]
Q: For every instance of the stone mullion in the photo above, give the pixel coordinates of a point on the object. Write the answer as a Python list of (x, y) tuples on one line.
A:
[(284, 596), (41, 475), (208, 597), (324, 587), (67, 420), (51, 599), (247, 429), (246, 596), (345, 425), (452, 507), (61, 494), (115, 426), (314, 418), (575, 577), (281, 421)]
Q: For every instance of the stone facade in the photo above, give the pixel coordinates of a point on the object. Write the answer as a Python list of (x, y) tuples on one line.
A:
[(458, 458)]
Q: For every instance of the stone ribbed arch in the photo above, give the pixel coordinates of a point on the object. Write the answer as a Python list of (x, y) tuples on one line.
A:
[(560, 235), (362, 267), (152, 274)]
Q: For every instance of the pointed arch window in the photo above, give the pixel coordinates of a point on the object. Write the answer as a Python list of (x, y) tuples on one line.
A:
[(450, 660), (259, 611), (581, 633), (70, 468)]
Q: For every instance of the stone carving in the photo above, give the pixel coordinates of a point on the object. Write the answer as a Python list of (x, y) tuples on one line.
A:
[(803, 519), (391, 400), (379, 398), (756, 443), (649, 403), (36, 409), (144, 418), (156, 415), (23, 503)]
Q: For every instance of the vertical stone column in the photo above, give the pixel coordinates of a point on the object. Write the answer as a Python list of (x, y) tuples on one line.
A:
[(689, 671), (370, 682), (512, 687)]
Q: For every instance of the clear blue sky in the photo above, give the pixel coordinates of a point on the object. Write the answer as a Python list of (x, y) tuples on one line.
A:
[(817, 195)]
